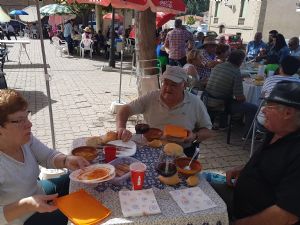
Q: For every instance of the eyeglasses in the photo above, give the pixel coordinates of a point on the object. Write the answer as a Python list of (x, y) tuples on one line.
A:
[(22, 120)]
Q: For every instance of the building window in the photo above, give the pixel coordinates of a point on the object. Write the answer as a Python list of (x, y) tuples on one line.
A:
[(221, 29), (216, 20), (241, 21), (217, 8)]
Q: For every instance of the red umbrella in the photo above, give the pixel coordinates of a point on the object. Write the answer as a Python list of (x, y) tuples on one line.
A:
[(169, 6), (118, 17), (162, 18)]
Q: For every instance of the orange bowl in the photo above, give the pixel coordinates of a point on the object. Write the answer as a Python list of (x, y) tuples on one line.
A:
[(88, 152), (181, 162), (153, 133)]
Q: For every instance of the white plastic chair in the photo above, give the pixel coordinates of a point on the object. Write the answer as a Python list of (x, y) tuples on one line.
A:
[(86, 45), (60, 45), (129, 47), (34, 34), (148, 67)]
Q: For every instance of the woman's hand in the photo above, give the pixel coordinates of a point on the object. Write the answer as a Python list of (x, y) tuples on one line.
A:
[(75, 162), (41, 203)]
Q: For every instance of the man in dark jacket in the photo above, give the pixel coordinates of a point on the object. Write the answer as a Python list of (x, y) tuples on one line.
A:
[(266, 189)]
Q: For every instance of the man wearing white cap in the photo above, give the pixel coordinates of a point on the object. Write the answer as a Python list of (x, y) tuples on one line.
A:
[(170, 105)]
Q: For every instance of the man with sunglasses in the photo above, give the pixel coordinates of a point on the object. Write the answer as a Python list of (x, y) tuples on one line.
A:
[(294, 47), (266, 189), (169, 105)]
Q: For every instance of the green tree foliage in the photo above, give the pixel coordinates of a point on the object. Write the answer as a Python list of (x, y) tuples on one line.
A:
[(78, 8), (190, 20), (197, 7)]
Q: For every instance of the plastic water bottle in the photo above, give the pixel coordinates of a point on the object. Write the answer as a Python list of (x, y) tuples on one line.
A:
[(214, 177)]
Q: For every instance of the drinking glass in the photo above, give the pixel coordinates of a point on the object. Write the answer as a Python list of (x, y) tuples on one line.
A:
[(166, 166), (141, 129)]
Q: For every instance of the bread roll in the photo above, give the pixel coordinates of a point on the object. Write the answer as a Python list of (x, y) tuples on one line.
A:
[(173, 149), (110, 136), (155, 143), (192, 181), (94, 141), (173, 180)]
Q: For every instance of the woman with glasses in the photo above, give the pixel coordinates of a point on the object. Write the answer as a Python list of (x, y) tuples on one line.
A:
[(23, 198)]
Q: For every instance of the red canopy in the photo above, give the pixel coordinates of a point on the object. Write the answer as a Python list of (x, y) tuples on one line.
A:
[(162, 18), (108, 16), (168, 6)]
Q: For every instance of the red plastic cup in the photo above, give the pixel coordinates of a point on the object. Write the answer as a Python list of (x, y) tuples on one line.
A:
[(110, 153), (137, 171)]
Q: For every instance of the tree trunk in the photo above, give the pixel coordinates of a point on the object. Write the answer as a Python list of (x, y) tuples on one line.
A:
[(145, 45), (85, 18), (145, 29)]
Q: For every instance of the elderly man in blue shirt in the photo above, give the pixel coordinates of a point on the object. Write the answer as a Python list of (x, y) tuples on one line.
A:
[(253, 47)]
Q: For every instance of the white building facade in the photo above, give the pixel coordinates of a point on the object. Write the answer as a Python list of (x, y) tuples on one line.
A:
[(249, 16)]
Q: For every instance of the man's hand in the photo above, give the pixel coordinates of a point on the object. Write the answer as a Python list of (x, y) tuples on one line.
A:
[(124, 134), (232, 176), (240, 98), (190, 138)]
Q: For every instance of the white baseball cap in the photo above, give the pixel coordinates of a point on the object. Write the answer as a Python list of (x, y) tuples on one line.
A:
[(175, 73)]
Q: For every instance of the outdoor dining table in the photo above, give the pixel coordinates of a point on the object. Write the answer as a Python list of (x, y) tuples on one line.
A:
[(22, 48), (171, 213), (252, 92)]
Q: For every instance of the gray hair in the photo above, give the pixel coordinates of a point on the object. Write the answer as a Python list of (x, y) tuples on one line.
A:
[(297, 118)]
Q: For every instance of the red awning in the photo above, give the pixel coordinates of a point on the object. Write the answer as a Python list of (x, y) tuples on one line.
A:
[(168, 6), (108, 16), (162, 18)]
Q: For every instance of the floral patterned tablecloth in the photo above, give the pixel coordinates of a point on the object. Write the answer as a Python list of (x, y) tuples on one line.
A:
[(107, 193)]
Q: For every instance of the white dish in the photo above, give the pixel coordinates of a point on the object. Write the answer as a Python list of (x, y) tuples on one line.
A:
[(122, 160), (130, 148), (75, 174)]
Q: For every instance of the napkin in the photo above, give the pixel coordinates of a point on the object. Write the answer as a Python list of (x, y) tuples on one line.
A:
[(138, 203), (192, 199), (81, 208)]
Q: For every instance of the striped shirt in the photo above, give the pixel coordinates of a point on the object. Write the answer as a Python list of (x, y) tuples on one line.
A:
[(176, 40), (225, 82), (272, 81)]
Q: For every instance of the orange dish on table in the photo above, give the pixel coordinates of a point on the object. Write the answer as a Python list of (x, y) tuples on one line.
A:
[(82, 208), (175, 131), (97, 173)]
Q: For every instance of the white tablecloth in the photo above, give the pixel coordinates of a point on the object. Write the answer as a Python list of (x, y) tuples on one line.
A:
[(252, 92)]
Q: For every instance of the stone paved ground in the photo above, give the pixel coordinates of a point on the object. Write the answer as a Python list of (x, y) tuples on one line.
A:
[(81, 97)]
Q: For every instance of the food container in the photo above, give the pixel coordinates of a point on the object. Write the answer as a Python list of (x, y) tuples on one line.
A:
[(88, 152), (184, 161), (153, 133), (121, 180)]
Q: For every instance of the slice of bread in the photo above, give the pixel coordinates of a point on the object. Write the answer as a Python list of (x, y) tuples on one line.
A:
[(94, 141), (175, 131)]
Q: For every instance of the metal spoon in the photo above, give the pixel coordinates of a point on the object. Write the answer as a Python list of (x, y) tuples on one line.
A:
[(188, 167)]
